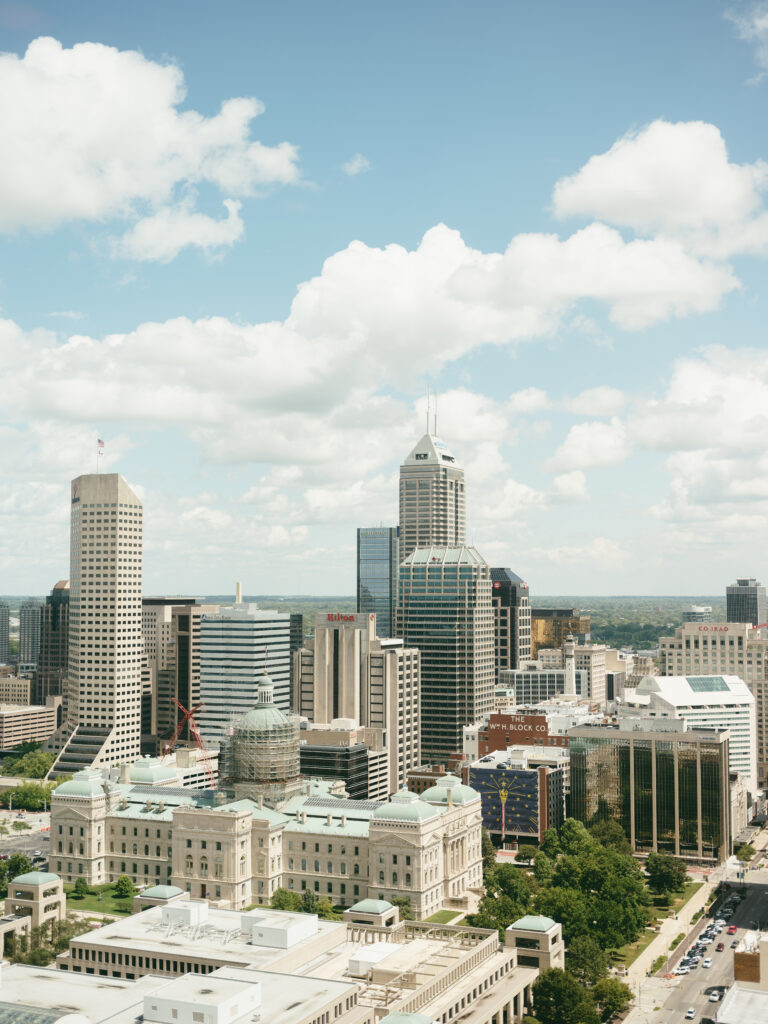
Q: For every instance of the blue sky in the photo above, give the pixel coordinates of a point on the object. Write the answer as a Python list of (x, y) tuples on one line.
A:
[(239, 242)]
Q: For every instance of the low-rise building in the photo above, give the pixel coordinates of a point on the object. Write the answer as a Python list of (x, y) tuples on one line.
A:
[(15, 689), (27, 724), (355, 972)]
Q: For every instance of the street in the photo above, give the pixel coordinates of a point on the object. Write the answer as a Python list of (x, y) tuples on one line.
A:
[(666, 1002), (27, 842)]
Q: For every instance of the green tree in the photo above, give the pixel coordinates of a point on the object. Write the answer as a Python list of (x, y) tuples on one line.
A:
[(81, 888), (745, 853), (550, 844), (526, 852), (29, 796), (488, 850), (32, 764), (666, 874), (610, 834), (403, 904), (309, 902), (574, 837), (612, 996), (586, 961), (285, 899), (124, 887), (558, 998), (569, 907), (543, 868), (20, 826), (327, 911), (18, 864)]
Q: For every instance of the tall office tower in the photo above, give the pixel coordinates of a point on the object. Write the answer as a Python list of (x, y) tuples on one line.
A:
[(51, 674), (158, 668), (432, 501), (238, 644), (551, 626), (5, 623), (666, 785), (698, 613), (511, 620), (377, 561), (103, 723), (745, 601), (444, 609), (30, 624), (347, 672), (181, 678), (297, 631)]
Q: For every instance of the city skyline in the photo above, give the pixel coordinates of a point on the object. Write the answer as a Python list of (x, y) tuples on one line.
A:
[(250, 310)]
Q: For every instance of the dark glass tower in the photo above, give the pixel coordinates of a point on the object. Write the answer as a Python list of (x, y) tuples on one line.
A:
[(377, 561), (745, 601), (511, 619), (54, 645)]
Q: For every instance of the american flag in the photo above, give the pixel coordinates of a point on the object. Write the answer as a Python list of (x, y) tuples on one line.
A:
[(100, 443)]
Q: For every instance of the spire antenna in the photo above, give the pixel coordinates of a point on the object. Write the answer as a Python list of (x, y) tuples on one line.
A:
[(427, 408), (435, 414)]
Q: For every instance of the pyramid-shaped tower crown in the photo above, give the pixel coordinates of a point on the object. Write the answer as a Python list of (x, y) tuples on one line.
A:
[(432, 507), (430, 450)]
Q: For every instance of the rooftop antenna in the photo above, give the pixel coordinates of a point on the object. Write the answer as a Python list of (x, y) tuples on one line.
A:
[(435, 414), (427, 408)]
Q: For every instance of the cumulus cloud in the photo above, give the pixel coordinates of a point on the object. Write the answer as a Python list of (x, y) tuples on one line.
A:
[(528, 400), (594, 444), (673, 180), (356, 164), (161, 236), (602, 551), (599, 401), (111, 140)]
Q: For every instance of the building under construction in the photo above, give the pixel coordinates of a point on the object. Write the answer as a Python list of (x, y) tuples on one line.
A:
[(260, 757)]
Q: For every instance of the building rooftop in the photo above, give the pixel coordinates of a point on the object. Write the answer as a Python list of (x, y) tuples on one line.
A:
[(445, 556), (695, 691), (162, 892), (519, 755), (35, 878), (534, 923), (371, 907), (743, 1006), (430, 451)]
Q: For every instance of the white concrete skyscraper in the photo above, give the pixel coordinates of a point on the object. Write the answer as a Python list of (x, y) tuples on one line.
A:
[(432, 511), (105, 641)]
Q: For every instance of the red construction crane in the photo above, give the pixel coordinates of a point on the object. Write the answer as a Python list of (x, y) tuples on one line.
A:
[(188, 718)]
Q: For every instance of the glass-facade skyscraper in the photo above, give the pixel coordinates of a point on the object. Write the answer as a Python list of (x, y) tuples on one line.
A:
[(669, 791), (378, 557), (745, 601)]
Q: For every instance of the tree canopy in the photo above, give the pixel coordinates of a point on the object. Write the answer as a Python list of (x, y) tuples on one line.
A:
[(666, 874)]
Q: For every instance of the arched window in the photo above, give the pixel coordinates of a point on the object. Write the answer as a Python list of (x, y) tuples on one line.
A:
[(188, 866), (381, 878), (217, 868), (394, 878), (407, 879), (203, 865)]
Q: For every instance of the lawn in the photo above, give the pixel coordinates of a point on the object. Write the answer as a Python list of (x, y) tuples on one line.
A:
[(108, 904), (443, 916), (659, 909)]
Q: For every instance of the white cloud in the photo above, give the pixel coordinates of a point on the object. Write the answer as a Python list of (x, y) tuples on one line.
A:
[(599, 401), (161, 236), (602, 551), (673, 180), (528, 400), (68, 314), (569, 486), (752, 26), (110, 139), (356, 164), (593, 444)]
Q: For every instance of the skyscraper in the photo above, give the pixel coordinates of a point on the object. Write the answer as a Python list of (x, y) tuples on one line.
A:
[(5, 623), (432, 511), (444, 609), (51, 674), (511, 619), (238, 644), (745, 601), (347, 672), (378, 558), (30, 624), (105, 647)]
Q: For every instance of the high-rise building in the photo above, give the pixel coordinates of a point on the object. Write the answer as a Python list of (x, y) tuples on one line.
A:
[(511, 619), (30, 624), (103, 724), (724, 649), (238, 644), (551, 626), (445, 610), (745, 601), (705, 702), (347, 672), (432, 501), (668, 787), (51, 674), (159, 626), (377, 561), (698, 613), (5, 625)]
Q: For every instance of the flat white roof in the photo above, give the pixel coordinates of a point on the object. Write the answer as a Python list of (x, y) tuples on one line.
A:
[(743, 1006), (696, 691)]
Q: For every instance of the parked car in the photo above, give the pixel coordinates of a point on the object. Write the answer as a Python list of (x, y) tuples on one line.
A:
[(732, 929), (734, 944), (720, 947), (715, 997), (707, 962), (690, 1013)]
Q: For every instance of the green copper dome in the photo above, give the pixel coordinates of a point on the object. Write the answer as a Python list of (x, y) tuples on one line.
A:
[(162, 892), (405, 806), (151, 771), (35, 878), (86, 783), (534, 923), (371, 907), (266, 715), (449, 785)]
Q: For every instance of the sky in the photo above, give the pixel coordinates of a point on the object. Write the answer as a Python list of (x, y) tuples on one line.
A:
[(239, 242)]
